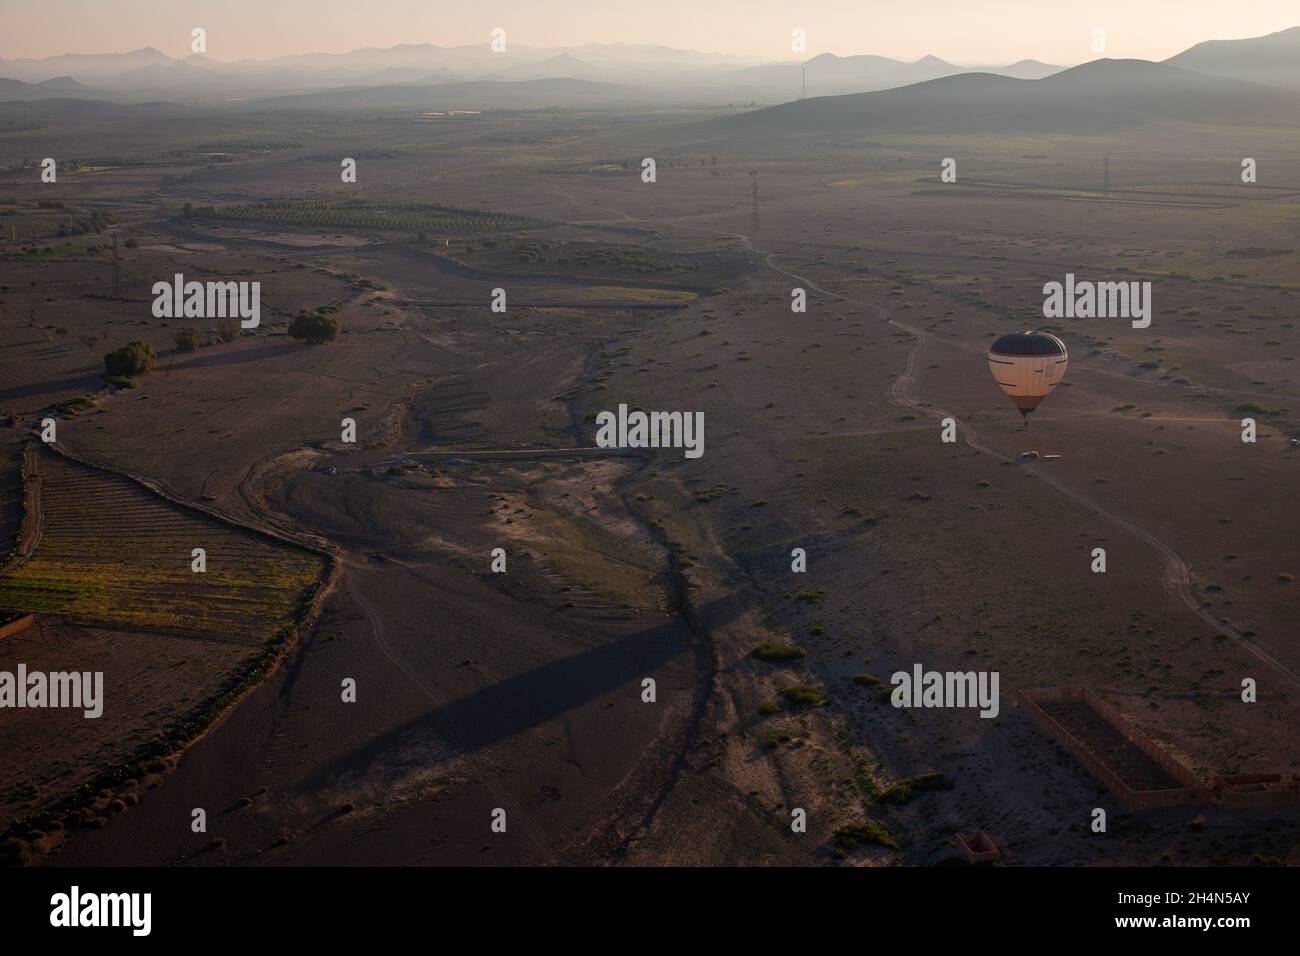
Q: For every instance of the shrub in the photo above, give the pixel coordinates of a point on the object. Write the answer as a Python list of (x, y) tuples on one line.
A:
[(904, 791), (776, 651), (852, 835), (803, 695), (228, 330), (1255, 408), (314, 327), (187, 340), (137, 358), (717, 491), (71, 406)]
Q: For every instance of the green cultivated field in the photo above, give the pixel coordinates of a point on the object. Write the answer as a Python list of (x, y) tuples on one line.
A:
[(115, 555)]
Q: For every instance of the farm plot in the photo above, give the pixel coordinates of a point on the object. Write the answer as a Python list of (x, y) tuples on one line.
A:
[(11, 492), (1133, 766), (361, 214), (16, 228), (114, 554)]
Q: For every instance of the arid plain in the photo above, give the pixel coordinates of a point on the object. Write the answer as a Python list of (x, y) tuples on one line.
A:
[(522, 690)]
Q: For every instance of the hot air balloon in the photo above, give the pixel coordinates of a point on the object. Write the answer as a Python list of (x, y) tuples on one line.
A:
[(1028, 365)]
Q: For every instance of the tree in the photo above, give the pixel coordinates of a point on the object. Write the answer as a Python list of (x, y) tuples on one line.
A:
[(314, 327), (187, 340), (133, 359)]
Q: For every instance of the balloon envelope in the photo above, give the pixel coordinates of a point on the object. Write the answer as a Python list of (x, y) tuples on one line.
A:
[(1028, 365)]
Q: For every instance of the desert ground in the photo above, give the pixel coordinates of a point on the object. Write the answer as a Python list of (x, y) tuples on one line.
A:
[(476, 690)]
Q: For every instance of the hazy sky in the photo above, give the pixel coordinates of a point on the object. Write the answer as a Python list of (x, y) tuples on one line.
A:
[(967, 31)]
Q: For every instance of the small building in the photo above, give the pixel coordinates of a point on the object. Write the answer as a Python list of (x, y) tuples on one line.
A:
[(978, 847), (1258, 790)]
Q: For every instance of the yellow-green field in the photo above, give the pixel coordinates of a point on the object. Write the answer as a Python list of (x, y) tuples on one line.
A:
[(113, 554)]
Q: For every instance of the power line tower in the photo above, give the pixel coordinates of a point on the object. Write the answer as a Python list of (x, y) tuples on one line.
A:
[(117, 271), (753, 215)]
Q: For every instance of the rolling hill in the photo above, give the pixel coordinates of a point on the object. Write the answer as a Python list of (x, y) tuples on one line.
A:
[(831, 74), (1273, 60), (1100, 96), (59, 86)]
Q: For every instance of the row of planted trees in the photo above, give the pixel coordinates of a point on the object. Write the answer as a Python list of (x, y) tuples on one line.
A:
[(124, 365)]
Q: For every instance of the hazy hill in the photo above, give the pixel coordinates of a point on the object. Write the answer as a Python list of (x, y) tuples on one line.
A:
[(473, 95), (1096, 97), (828, 73), (59, 86), (831, 74), (408, 74), (1022, 69), (1273, 60), (82, 66), (651, 53), (554, 67)]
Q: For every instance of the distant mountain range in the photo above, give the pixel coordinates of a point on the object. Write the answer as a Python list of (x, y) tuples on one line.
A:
[(684, 73), (149, 68), (85, 66), (425, 76)]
